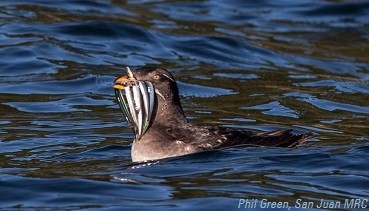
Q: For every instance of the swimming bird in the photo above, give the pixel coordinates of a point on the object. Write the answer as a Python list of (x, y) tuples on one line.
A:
[(149, 99)]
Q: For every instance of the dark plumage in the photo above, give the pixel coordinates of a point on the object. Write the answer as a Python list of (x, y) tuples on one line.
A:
[(171, 134)]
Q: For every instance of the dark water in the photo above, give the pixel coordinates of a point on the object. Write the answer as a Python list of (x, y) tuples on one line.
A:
[(258, 65)]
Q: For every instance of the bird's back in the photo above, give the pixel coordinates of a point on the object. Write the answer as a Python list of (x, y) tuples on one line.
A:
[(220, 137)]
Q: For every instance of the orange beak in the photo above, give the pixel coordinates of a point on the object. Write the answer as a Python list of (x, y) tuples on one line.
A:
[(121, 82)]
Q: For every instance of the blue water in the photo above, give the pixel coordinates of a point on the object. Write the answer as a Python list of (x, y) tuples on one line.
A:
[(255, 65)]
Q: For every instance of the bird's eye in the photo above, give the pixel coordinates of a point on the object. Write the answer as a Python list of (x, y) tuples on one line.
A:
[(156, 77)]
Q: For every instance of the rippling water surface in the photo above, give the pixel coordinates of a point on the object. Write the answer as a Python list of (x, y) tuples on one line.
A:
[(257, 65)]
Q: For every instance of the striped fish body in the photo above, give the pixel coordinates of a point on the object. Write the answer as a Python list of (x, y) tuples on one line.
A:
[(137, 102)]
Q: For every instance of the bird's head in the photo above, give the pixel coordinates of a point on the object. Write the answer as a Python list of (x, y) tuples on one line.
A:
[(146, 96)]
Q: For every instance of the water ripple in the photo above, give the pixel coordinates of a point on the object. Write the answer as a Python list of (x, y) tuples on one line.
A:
[(328, 104)]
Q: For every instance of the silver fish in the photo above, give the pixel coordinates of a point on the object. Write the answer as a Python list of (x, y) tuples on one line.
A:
[(131, 106), (138, 107), (145, 98), (151, 92), (137, 101)]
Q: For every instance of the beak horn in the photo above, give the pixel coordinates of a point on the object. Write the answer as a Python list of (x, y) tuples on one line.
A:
[(129, 72)]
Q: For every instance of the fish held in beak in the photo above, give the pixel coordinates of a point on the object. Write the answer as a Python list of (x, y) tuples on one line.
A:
[(136, 99)]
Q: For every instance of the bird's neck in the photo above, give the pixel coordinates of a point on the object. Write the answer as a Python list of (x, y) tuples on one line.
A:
[(169, 111)]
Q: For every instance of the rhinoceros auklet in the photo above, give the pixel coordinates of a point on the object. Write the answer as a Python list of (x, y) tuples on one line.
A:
[(149, 100)]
